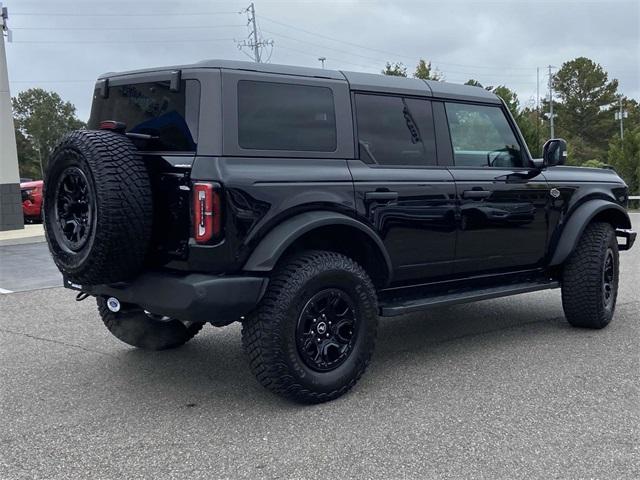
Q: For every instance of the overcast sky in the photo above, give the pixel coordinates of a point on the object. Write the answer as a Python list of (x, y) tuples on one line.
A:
[(63, 45)]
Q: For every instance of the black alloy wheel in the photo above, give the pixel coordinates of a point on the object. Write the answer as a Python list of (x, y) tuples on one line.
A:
[(608, 278), (74, 208), (327, 330)]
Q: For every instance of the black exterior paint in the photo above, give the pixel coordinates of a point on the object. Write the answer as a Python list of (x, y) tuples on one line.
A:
[(431, 221), (418, 227)]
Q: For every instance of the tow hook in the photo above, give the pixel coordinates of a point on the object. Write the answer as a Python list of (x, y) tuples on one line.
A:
[(113, 304), (81, 296)]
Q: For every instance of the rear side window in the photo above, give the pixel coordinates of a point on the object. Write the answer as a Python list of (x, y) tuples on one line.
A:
[(283, 116), (151, 108), (395, 130), (481, 136)]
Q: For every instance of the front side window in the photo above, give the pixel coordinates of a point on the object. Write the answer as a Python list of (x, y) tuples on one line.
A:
[(395, 130), (283, 116), (481, 136)]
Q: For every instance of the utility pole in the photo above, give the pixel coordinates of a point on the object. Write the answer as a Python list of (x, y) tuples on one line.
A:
[(10, 201), (254, 43), (551, 115), (322, 59), (621, 115), (537, 108), (256, 47)]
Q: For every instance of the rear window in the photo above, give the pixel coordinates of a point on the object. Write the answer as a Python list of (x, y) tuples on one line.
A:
[(282, 116), (151, 108)]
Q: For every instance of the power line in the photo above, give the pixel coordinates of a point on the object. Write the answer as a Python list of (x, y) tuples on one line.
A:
[(129, 28), (378, 59), (52, 81), (315, 55), (148, 14), (386, 52), (83, 42)]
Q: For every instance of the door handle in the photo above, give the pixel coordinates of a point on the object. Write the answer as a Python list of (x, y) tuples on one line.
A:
[(381, 196), (476, 194)]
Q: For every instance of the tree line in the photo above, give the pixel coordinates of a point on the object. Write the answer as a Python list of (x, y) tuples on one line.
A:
[(585, 104)]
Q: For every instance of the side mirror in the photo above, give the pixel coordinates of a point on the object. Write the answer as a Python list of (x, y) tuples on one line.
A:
[(554, 152)]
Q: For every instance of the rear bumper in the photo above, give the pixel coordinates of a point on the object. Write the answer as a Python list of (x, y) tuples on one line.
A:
[(630, 235), (192, 297)]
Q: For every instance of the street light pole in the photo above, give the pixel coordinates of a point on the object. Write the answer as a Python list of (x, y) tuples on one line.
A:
[(621, 115), (551, 102), (322, 59)]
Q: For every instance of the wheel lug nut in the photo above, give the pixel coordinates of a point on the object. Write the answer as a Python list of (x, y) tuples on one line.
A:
[(315, 320), (318, 340), (327, 335)]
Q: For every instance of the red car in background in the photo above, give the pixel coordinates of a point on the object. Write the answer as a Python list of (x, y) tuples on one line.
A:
[(32, 200)]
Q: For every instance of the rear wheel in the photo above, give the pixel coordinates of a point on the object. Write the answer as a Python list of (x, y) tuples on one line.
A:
[(313, 334), (590, 278), (139, 328)]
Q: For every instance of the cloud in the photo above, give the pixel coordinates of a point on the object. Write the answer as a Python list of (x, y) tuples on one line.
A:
[(495, 42)]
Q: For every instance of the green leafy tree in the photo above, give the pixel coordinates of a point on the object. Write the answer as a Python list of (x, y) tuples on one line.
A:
[(425, 71), (526, 118), (584, 111), (474, 83), (395, 70), (593, 163), (510, 99), (41, 118), (530, 125), (28, 163), (625, 158)]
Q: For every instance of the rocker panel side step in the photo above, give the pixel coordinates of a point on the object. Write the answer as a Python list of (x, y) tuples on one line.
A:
[(401, 306)]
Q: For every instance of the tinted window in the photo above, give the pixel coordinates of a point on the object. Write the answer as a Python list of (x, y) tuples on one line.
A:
[(395, 130), (152, 109), (282, 116), (482, 136)]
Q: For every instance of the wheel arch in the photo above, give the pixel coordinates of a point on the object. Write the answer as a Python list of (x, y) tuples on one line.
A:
[(327, 231), (597, 210)]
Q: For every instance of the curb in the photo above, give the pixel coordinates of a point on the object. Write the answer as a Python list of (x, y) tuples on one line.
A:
[(22, 241)]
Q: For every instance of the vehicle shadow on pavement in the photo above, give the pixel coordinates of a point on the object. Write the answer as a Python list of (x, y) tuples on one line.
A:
[(212, 368)]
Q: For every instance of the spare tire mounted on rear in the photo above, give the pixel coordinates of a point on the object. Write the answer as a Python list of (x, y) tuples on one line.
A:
[(97, 207)]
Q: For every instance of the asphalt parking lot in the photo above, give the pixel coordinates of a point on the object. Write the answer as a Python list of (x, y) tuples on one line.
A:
[(497, 389)]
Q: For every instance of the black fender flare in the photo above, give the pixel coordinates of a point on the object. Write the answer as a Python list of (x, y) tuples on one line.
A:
[(267, 253), (578, 221)]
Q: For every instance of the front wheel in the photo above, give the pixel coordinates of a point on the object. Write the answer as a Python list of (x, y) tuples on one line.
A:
[(590, 278), (313, 334)]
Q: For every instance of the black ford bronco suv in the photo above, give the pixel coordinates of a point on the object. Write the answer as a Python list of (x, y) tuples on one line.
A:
[(306, 203)]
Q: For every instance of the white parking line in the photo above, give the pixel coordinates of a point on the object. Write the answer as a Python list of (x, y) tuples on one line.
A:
[(4, 290)]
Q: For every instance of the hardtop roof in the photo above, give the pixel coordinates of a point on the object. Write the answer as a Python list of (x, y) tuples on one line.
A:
[(357, 80)]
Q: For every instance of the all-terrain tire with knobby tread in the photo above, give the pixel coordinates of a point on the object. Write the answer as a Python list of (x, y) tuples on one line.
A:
[(583, 298), (135, 327), (121, 221), (269, 335)]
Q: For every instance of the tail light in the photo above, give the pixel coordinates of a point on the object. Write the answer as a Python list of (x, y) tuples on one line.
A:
[(207, 212), (113, 125)]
